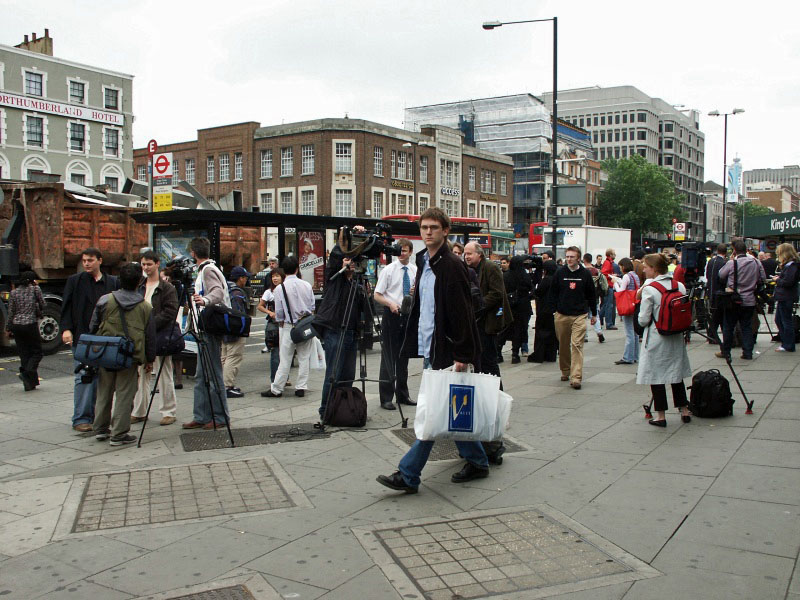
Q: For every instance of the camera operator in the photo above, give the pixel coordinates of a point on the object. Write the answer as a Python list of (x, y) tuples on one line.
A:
[(164, 300), (714, 287), (334, 314), (81, 294), (210, 288), (395, 284)]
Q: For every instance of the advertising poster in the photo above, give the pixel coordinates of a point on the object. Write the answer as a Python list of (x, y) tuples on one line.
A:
[(169, 243), (311, 250)]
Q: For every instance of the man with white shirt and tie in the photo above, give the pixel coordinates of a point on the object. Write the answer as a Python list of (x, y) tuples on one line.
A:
[(294, 299), (394, 283)]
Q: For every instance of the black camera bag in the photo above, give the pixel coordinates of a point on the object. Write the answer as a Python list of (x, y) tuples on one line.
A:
[(710, 395), (347, 408)]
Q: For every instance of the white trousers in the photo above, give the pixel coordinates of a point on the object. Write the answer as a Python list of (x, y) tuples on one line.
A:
[(287, 350), (166, 386)]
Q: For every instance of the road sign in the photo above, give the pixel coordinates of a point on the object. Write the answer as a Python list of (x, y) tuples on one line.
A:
[(152, 146), (770, 245), (162, 165), (679, 232), (162, 200)]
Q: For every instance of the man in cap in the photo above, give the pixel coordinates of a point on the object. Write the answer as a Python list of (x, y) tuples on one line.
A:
[(233, 346)]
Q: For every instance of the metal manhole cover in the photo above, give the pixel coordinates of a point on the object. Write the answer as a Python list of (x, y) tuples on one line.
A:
[(446, 449), (250, 436), (538, 551), (235, 592), (182, 492)]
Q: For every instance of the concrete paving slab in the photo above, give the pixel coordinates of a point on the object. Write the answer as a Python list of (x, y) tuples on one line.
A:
[(622, 437), (744, 525), (293, 589), (101, 554), (83, 589), (154, 538), (686, 460), (20, 447), (370, 584), (28, 533), (780, 430), (7, 470), (758, 482), (708, 434), (768, 452), (32, 575), (579, 427), (783, 410), (48, 458), (619, 377), (607, 592)]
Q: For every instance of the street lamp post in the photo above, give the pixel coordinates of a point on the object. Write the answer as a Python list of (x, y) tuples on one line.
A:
[(716, 113), (488, 25)]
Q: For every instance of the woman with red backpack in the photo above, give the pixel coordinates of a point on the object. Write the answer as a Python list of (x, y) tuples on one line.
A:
[(663, 359)]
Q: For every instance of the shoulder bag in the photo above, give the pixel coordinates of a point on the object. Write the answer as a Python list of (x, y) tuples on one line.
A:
[(626, 301), (303, 330), (111, 352)]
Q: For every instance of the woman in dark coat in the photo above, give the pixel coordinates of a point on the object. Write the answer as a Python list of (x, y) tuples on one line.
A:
[(545, 342), (786, 296), (25, 308), (518, 288)]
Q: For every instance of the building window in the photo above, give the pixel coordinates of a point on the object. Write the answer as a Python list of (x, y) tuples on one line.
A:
[(448, 173), (307, 166), (77, 137), (78, 178), (307, 204), (141, 173), (267, 205), (471, 208), (401, 165), (112, 183), (77, 92), (410, 163), (266, 164), (668, 161), (668, 144), (424, 202), (503, 184), (238, 164), (603, 120), (111, 145), (377, 161), (34, 131), (452, 206), (287, 162), (287, 202), (394, 167), (668, 127), (176, 172), (423, 169), (642, 117), (34, 83), (210, 169), (189, 170), (504, 214), (344, 203), (625, 118), (377, 205), (344, 157), (224, 167), (111, 98), (641, 134)]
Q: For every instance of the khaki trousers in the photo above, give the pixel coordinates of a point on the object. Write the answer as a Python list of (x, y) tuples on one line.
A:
[(232, 356), (124, 384), (570, 331), (166, 387)]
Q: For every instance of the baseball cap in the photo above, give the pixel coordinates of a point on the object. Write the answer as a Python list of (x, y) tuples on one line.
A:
[(237, 272)]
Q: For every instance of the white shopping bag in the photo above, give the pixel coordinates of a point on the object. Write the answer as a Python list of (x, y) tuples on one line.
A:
[(459, 406), (317, 357)]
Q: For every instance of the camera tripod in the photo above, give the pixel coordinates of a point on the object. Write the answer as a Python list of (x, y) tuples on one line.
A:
[(203, 360), (359, 286)]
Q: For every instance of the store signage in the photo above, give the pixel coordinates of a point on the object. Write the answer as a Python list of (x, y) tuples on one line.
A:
[(448, 191), (489, 197), (65, 110), (403, 185)]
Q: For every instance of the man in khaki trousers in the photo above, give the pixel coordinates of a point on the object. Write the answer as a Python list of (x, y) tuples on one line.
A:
[(573, 294)]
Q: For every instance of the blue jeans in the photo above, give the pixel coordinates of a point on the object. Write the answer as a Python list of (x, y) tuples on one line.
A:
[(783, 319), (345, 371), (274, 362), (84, 398), (631, 352), (610, 309), (202, 411), (413, 462)]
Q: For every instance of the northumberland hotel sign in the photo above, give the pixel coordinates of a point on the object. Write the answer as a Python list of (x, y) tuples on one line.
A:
[(65, 110), (772, 225)]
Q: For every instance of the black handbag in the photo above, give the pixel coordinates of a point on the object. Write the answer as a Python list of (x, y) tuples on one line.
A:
[(169, 341), (218, 319), (272, 334), (303, 330)]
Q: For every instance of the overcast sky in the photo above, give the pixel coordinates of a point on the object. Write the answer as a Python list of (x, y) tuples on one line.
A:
[(201, 64)]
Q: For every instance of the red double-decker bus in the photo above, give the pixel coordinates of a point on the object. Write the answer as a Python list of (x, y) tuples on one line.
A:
[(536, 235), (482, 234)]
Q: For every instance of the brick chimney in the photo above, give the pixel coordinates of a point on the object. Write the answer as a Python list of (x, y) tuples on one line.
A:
[(42, 45)]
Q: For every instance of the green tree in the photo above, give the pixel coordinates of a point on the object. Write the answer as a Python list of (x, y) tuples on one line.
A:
[(639, 196), (748, 209)]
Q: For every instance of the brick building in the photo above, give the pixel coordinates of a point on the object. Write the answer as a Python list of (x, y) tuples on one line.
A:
[(343, 167)]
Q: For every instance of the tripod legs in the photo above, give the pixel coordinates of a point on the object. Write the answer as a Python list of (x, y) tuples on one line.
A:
[(150, 403)]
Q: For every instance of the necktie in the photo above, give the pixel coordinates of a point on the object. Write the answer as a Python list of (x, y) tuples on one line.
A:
[(406, 282)]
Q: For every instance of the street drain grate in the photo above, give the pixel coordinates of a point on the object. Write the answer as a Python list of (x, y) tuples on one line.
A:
[(235, 592), (250, 436), (536, 551), (446, 449), (167, 494)]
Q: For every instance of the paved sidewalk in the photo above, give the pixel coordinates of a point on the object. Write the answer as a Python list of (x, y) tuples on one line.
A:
[(596, 505)]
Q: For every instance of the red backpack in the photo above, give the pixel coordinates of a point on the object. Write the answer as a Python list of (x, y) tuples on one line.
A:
[(675, 313)]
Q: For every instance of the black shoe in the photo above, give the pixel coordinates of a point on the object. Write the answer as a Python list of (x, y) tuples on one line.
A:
[(496, 457), (661, 423), (234, 393), (269, 394), (622, 362), (776, 338), (407, 402), (746, 357), (601, 338), (178, 386), (611, 328), (686, 418), (468, 473), (515, 360), (299, 393), (388, 406), (533, 359), (499, 359), (122, 440), (395, 481)]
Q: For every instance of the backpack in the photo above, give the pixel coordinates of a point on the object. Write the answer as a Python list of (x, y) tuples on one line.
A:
[(600, 285), (710, 395), (238, 306), (347, 408), (675, 312), (218, 319)]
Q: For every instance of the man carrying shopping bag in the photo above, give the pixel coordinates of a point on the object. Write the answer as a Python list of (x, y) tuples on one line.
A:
[(438, 331)]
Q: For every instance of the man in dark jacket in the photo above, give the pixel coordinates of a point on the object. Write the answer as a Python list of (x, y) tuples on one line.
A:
[(712, 269), (742, 274), (573, 294), (123, 312), (81, 294), (441, 329), (164, 300)]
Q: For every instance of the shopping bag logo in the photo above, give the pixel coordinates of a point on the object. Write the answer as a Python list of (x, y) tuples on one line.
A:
[(462, 402)]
